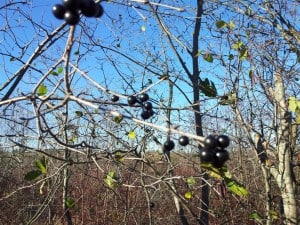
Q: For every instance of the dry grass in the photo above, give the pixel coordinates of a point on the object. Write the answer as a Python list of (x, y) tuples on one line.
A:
[(144, 192)]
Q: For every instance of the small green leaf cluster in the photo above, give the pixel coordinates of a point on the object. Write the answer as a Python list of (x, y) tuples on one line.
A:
[(223, 174), (41, 169), (208, 87), (111, 180), (70, 10)]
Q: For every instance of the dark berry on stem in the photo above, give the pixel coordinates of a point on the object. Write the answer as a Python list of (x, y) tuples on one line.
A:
[(89, 8), (207, 155), (210, 141), (58, 11), (100, 11), (114, 98), (131, 100), (146, 114), (183, 140), (223, 141), (147, 105), (222, 155), (72, 5), (143, 97), (71, 18), (169, 145)]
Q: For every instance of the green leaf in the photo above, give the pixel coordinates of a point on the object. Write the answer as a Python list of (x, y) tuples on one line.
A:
[(198, 53), (243, 53), (70, 203), (79, 113), (212, 171), (31, 175), (254, 215), (228, 99), (235, 187), (231, 57), (190, 181), (41, 165), (118, 119), (208, 57), (250, 73), (42, 90), (76, 53), (111, 180), (54, 73), (237, 45), (60, 69), (208, 88), (143, 28), (221, 24)]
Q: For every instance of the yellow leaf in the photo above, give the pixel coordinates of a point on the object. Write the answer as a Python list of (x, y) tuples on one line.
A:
[(119, 157), (293, 104), (267, 162), (143, 28), (211, 170), (273, 214), (231, 25), (131, 135), (235, 187), (298, 119), (188, 195)]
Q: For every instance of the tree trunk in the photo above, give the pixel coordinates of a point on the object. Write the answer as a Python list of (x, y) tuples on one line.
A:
[(197, 114), (284, 174)]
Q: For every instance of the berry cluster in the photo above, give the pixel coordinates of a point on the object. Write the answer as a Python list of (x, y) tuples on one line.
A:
[(70, 10), (169, 144), (214, 151), (141, 99)]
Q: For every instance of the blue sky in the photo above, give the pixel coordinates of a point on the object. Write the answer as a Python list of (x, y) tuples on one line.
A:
[(122, 29)]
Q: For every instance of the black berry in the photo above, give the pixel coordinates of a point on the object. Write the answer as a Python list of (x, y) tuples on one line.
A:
[(169, 145), (207, 155), (143, 97), (222, 155), (223, 141), (146, 114), (210, 141), (89, 8), (58, 11), (147, 105), (100, 11), (131, 100), (183, 140), (71, 18), (72, 5), (114, 98)]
